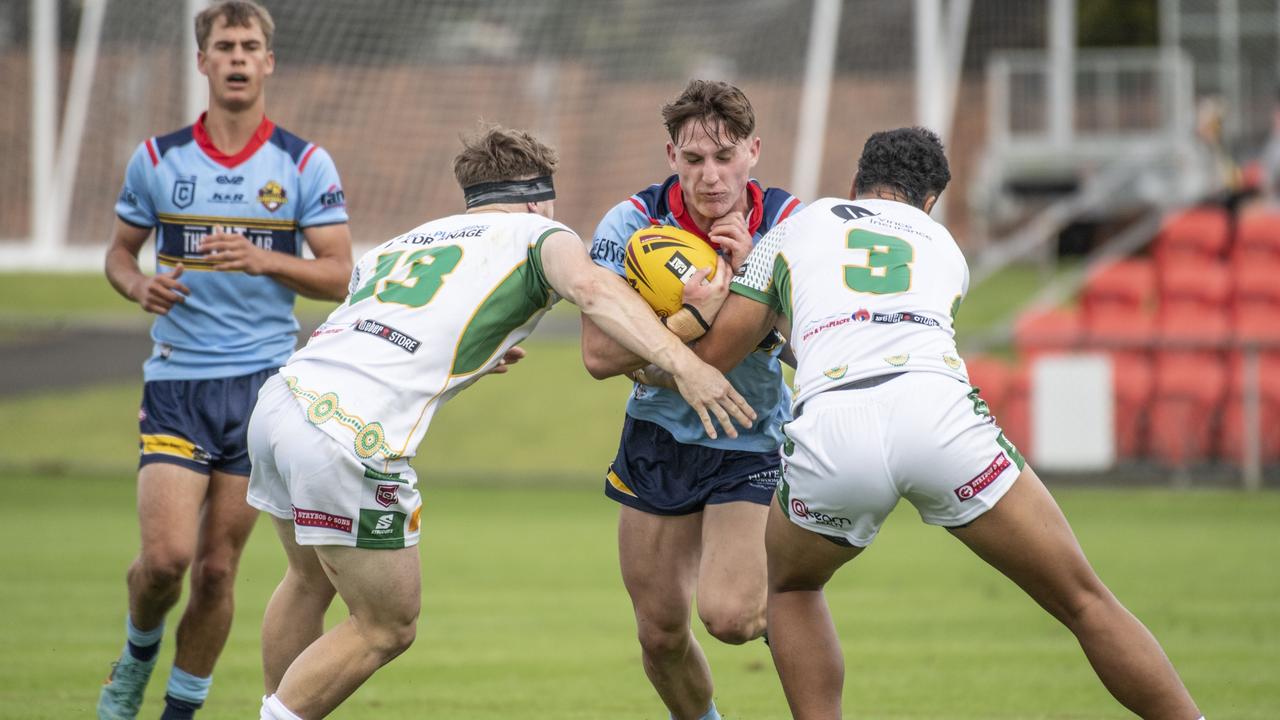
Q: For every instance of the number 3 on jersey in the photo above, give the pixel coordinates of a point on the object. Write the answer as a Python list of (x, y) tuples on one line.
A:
[(423, 272), (888, 266)]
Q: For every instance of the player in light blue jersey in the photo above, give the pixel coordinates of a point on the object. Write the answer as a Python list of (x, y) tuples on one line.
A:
[(693, 508), (230, 200)]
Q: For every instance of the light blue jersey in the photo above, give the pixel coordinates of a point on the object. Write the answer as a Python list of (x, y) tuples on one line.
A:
[(759, 376), (180, 184)]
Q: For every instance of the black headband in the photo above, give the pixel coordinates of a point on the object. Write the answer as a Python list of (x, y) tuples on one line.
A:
[(509, 191)]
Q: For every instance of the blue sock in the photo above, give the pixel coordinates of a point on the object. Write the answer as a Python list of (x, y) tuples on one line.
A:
[(143, 644), (184, 695), (712, 713)]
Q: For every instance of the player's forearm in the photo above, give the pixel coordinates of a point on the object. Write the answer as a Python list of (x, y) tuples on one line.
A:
[(603, 356), (123, 272), (621, 315), (320, 278)]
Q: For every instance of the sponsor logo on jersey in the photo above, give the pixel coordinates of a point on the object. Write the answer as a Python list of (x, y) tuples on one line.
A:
[(333, 198), (984, 478), (609, 252), (847, 212), (386, 495), (272, 196), (835, 321), (230, 179), (184, 192), (317, 518), (900, 317), (129, 197), (329, 329), (395, 337), (229, 198), (436, 236)]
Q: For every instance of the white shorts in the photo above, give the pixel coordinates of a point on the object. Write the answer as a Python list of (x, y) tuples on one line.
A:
[(301, 474), (852, 452)]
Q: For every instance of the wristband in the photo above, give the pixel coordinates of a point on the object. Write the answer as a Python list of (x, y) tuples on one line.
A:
[(687, 326)]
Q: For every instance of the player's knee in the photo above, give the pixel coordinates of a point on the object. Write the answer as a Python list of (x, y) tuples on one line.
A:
[(162, 570), (734, 626), (393, 636), (659, 640), (1084, 605), (212, 578)]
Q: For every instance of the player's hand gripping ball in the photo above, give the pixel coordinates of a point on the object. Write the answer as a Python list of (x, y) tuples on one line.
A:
[(660, 259)]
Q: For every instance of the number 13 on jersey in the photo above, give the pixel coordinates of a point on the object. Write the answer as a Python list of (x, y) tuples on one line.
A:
[(422, 273), (887, 268)]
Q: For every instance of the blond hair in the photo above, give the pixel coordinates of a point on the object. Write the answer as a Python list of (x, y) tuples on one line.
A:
[(237, 13), (495, 153)]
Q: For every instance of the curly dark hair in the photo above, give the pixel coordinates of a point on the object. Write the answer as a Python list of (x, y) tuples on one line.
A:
[(909, 160)]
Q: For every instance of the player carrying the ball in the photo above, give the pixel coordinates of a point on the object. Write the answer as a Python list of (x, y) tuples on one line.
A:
[(429, 313), (867, 290), (693, 507)]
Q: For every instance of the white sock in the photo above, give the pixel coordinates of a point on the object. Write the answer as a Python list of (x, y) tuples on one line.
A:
[(273, 709)]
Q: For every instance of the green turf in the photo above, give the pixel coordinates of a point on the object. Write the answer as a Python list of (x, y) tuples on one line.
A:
[(87, 296), (544, 418), (524, 613)]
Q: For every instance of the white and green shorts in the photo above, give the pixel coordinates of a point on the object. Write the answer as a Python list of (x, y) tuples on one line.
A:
[(301, 474), (854, 451)]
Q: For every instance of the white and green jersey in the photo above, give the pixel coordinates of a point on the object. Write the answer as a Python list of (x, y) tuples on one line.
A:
[(870, 287), (428, 312)]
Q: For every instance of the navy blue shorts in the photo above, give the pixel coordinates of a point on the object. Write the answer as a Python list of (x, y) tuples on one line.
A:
[(655, 474), (199, 424)]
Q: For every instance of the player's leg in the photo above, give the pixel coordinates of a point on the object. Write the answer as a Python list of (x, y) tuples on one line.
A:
[(1026, 537), (295, 613), (170, 497), (202, 633), (382, 590), (731, 577), (802, 638), (659, 555)]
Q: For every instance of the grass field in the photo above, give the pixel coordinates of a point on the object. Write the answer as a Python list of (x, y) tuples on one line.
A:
[(525, 615), (524, 612)]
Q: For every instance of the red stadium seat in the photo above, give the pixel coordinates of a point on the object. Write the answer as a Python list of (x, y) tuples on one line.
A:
[(1257, 284), (1258, 236), (1190, 383), (993, 378), (1046, 331), (1231, 443), (1127, 337), (1200, 232), (1123, 285), (1015, 417), (1198, 284)]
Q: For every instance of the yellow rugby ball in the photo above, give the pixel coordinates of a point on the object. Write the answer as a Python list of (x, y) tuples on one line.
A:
[(660, 259)]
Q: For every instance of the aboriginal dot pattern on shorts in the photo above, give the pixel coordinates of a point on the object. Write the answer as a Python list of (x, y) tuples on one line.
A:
[(370, 438)]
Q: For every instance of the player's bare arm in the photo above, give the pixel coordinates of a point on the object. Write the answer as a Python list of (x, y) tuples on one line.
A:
[(324, 278), (738, 329), (155, 293), (605, 357), (617, 310)]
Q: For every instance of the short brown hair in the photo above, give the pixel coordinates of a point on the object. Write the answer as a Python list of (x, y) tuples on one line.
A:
[(495, 153), (709, 101), (237, 13)]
